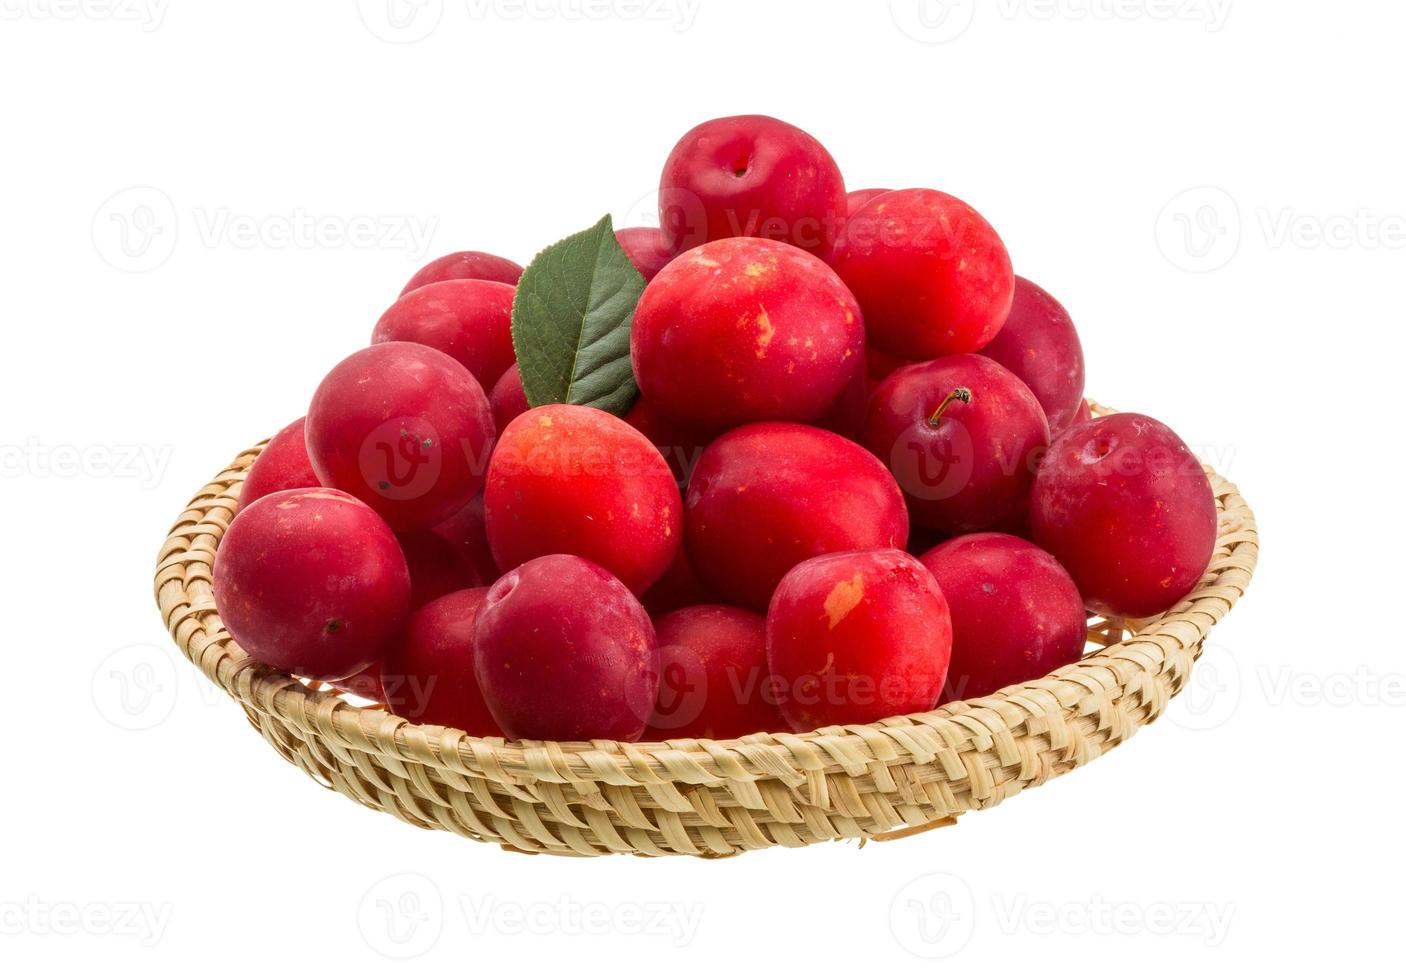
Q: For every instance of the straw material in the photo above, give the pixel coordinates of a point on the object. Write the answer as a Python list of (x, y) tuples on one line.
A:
[(703, 798)]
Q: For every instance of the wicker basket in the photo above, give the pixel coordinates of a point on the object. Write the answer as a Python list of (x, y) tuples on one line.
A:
[(705, 798)]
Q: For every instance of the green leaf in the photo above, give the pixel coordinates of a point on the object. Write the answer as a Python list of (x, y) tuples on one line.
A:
[(571, 322)]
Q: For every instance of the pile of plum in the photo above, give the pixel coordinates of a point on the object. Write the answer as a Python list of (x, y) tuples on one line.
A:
[(853, 475)]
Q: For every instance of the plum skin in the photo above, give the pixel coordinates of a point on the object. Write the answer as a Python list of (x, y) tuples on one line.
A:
[(437, 567), (856, 199), (467, 534), (973, 468), (880, 365), (312, 582), (564, 651), (468, 319), (751, 176), (857, 636), (428, 675), (679, 444), (745, 330), (646, 249), (508, 400), (406, 429), (846, 416), (770, 495), (576, 480), (1040, 346), (931, 275), (282, 465), (466, 265), (1016, 613), (364, 684), (1126, 507), (713, 677), (678, 587)]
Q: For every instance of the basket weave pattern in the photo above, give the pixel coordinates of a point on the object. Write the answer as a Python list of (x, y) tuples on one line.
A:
[(705, 798)]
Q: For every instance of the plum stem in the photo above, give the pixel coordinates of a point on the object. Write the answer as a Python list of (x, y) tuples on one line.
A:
[(963, 395)]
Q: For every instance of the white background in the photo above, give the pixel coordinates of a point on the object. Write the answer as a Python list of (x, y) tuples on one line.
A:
[(1213, 189)]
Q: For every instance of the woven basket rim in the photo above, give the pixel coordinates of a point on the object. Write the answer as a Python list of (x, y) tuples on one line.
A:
[(187, 605)]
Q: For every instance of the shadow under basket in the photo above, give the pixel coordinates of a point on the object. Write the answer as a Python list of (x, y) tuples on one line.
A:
[(705, 798)]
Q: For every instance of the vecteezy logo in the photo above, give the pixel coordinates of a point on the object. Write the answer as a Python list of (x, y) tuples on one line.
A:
[(934, 459), (402, 916), (644, 210), (683, 689), (134, 688), (134, 230), (1212, 693), (401, 21), (933, 916), (401, 459), (933, 21), (683, 217), (1199, 229), (935, 470)]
